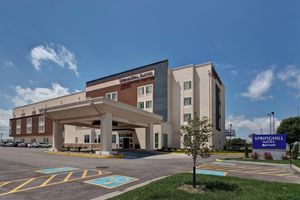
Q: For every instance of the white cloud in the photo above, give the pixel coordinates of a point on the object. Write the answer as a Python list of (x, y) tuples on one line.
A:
[(58, 54), (260, 86), (27, 95), (5, 115), (9, 63), (245, 126), (291, 76)]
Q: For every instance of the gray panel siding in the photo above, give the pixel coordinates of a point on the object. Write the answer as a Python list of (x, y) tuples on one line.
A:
[(160, 96)]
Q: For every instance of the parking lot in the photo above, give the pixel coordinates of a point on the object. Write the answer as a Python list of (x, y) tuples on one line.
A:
[(278, 173), (27, 173)]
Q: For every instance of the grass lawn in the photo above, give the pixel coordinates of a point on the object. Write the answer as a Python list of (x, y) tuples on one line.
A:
[(294, 162), (247, 189)]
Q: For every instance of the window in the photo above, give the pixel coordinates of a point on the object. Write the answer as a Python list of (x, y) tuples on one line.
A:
[(148, 90), (141, 91), (187, 117), (29, 125), (114, 138), (148, 104), (187, 101), (141, 105), (86, 138), (33, 140), (76, 140), (187, 85), (18, 126), (165, 140), (156, 139), (112, 96), (46, 140), (99, 139), (145, 90), (41, 124)]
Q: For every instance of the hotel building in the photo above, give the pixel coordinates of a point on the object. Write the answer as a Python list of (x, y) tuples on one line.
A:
[(142, 108)]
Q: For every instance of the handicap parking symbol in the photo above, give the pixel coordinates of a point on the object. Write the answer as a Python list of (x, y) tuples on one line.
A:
[(113, 181)]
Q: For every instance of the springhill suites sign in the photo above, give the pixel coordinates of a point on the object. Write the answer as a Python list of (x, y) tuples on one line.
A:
[(270, 141), (135, 77)]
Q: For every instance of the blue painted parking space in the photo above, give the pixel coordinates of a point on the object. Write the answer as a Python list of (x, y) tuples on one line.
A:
[(210, 172), (110, 182), (56, 170)]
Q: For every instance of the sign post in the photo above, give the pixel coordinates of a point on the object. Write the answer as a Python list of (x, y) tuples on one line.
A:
[(272, 143)]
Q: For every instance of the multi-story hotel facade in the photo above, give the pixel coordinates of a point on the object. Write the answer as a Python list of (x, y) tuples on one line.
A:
[(142, 108)]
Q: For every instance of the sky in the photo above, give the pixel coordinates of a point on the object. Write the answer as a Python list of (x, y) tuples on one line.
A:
[(51, 48)]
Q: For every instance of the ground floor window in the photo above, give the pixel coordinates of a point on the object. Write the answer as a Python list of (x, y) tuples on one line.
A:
[(46, 140), (114, 138), (165, 140), (99, 139), (156, 139), (33, 140), (76, 140), (86, 138)]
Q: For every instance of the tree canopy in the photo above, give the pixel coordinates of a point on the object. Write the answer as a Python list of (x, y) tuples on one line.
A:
[(290, 127)]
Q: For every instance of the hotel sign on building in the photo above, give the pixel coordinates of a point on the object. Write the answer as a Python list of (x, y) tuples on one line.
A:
[(136, 77)]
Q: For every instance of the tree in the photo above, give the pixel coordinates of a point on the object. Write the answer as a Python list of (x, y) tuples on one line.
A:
[(196, 136), (290, 127)]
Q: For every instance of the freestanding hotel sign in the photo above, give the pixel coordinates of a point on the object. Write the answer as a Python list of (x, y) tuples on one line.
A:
[(271, 143)]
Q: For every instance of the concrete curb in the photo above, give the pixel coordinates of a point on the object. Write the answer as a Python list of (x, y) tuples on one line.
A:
[(119, 192), (294, 167), (258, 163)]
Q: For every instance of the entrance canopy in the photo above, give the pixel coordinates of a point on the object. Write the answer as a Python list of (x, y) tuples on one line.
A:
[(87, 113)]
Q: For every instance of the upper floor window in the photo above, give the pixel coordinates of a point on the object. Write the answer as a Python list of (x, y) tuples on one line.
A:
[(187, 101), (145, 91), (18, 128), (29, 125), (148, 90), (141, 105), (112, 96), (41, 124), (141, 91), (148, 104), (187, 85), (187, 117)]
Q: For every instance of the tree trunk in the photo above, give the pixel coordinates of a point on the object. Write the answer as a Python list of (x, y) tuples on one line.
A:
[(194, 173)]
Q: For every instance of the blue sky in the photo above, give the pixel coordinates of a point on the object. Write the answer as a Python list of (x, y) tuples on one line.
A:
[(51, 48)]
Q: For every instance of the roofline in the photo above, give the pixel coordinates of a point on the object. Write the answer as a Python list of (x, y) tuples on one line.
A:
[(112, 75), (191, 65), (48, 100)]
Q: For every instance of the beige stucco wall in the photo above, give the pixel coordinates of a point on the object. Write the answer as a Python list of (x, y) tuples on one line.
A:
[(28, 109), (203, 100)]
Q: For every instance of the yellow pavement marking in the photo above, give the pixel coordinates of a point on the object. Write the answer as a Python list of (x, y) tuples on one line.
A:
[(219, 160), (3, 184), (48, 180), (46, 183), (67, 177), (84, 174), (23, 184)]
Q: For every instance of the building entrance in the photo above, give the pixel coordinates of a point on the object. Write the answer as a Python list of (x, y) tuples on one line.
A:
[(126, 143)]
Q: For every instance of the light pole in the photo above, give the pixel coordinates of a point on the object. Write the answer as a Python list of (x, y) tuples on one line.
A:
[(270, 122), (273, 115), (230, 130)]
